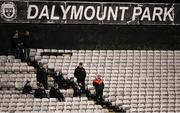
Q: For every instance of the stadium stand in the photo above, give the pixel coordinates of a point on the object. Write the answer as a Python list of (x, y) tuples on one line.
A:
[(14, 74), (137, 80), (134, 46)]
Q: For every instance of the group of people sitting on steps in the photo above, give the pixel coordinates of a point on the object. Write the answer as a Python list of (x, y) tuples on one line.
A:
[(77, 83)]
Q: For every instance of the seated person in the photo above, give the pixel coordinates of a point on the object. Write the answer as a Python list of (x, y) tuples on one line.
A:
[(55, 93), (40, 92), (27, 89), (72, 83), (59, 79), (90, 92)]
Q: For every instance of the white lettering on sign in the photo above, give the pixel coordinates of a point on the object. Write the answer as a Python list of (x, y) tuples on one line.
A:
[(44, 12), (136, 12), (157, 14), (53, 17), (112, 13), (76, 13), (91, 11), (101, 13), (123, 12), (65, 11), (146, 14), (168, 13), (30, 8)]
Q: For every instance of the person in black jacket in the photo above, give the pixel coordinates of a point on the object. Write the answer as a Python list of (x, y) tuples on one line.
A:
[(14, 43), (72, 83), (55, 93), (26, 45), (39, 71), (80, 74), (90, 93), (59, 79), (42, 76), (99, 87), (40, 92), (27, 89)]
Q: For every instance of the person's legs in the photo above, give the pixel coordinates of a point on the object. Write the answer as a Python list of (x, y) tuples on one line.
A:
[(22, 54), (45, 84), (60, 97), (97, 95), (101, 95), (83, 86), (26, 53), (18, 53)]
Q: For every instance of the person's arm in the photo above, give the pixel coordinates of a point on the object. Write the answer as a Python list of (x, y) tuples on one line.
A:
[(24, 90), (94, 84), (75, 73), (84, 73), (50, 93), (103, 84), (35, 94), (45, 95), (30, 89)]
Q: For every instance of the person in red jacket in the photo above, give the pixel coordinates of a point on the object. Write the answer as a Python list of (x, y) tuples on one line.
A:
[(99, 86)]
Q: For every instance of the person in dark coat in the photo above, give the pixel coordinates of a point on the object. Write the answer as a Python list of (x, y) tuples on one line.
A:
[(27, 89), (40, 92), (39, 71), (72, 83), (55, 93), (99, 87), (80, 74), (45, 78), (59, 79), (90, 93), (42, 75), (14, 43), (26, 45)]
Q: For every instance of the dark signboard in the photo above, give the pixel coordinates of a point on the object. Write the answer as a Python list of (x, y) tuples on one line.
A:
[(89, 13)]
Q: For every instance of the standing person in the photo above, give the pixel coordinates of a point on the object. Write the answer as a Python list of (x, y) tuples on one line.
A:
[(26, 45), (17, 45), (39, 71), (40, 92), (99, 87), (14, 43), (55, 93), (45, 77), (27, 89), (20, 53), (80, 74), (42, 75)]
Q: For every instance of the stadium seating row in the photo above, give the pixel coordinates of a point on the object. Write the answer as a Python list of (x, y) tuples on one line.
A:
[(12, 101)]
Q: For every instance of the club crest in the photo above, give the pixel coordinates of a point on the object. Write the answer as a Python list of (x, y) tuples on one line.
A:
[(8, 11)]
